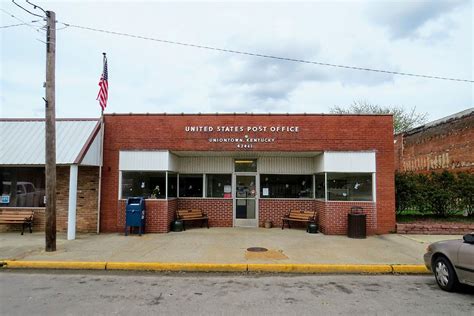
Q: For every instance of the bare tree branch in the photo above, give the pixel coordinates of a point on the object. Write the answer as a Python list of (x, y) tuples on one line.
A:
[(403, 119)]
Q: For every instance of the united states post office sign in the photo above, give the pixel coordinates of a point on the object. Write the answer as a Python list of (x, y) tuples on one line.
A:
[(244, 137)]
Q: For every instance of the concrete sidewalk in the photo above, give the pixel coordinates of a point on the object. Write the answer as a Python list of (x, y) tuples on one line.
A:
[(223, 246)]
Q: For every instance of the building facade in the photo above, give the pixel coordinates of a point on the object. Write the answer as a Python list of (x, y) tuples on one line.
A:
[(22, 172), (246, 169), (445, 144)]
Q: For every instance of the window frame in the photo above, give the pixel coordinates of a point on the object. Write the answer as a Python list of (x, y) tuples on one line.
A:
[(218, 173), (373, 187), (312, 191), (120, 193), (191, 197)]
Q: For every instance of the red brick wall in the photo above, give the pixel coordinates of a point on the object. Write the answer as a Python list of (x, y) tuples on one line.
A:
[(172, 207), (435, 228), (158, 215), (446, 146), (332, 216), (275, 209), (316, 133), (335, 217), (320, 205), (219, 211)]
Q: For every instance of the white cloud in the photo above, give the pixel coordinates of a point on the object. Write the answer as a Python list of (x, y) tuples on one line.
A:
[(404, 19), (147, 76)]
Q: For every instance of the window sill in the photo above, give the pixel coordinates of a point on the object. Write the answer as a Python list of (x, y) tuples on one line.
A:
[(351, 201)]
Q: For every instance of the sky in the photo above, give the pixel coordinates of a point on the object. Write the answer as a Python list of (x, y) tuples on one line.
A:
[(422, 37)]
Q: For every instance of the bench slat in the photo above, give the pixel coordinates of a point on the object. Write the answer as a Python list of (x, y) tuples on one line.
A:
[(299, 216), (191, 214), (14, 218)]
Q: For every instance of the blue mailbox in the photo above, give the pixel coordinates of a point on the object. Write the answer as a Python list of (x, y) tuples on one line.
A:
[(135, 214)]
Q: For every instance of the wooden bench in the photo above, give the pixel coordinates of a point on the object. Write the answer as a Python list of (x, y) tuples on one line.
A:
[(299, 216), (23, 217), (192, 215)]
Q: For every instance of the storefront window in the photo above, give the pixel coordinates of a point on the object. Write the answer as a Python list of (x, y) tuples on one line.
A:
[(286, 186), (349, 186), (172, 185), (150, 185), (22, 187), (245, 165), (190, 185), (219, 185), (319, 186)]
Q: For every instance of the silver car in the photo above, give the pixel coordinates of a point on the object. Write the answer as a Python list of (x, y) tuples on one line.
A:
[(452, 262)]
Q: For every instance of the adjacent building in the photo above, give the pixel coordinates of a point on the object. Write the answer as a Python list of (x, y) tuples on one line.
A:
[(444, 144), (22, 171)]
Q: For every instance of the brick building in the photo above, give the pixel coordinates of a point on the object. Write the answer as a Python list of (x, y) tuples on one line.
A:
[(245, 169), (445, 144), (242, 169), (22, 172)]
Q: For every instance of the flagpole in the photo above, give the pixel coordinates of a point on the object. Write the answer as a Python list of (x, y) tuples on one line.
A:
[(101, 161)]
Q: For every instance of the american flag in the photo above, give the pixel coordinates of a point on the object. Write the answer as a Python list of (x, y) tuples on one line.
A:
[(104, 86)]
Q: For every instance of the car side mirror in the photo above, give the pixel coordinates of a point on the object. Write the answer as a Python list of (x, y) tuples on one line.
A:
[(469, 238)]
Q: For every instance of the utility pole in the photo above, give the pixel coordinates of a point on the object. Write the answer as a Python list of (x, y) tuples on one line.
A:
[(50, 169)]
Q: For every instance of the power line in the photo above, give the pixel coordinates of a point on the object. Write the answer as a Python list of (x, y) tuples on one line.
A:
[(12, 25), (264, 55), (20, 20)]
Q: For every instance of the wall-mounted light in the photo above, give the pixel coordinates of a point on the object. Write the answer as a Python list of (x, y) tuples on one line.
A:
[(244, 161)]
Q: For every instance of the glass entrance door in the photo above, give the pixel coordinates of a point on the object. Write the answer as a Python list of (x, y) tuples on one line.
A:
[(245, 201)]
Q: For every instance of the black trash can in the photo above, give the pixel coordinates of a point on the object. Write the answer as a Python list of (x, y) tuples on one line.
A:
[(135, 214), (357, 223), (312, 228), (177, 226)]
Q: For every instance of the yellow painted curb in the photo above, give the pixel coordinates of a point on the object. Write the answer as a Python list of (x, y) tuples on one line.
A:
[(54, 265), (410, 268), (161, 266), (320, 268), (221, 267)]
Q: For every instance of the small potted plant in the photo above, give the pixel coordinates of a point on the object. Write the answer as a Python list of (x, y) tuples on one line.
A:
[(156, 192), (268, 223)]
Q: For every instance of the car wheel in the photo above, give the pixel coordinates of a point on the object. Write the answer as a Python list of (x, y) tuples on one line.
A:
[(445, 274)]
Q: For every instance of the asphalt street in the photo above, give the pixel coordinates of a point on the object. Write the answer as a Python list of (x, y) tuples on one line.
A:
[(105, 293)]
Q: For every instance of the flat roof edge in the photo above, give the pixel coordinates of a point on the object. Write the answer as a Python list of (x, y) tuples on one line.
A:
[(42, 119), (240, 114)]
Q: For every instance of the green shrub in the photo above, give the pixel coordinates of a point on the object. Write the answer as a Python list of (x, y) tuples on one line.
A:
[(465, 192), (441, 194)]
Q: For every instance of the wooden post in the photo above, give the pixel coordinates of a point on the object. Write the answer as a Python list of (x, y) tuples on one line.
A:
[(50, 211)]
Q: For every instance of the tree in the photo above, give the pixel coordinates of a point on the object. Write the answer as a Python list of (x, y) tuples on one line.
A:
[(403, 119)]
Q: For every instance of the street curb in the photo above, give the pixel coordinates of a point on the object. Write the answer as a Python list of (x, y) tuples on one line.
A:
[(410, 268), (69, 265), (188, 267), (321, 268), (221, 267)]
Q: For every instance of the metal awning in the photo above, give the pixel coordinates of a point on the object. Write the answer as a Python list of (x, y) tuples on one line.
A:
[(23, 141)]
